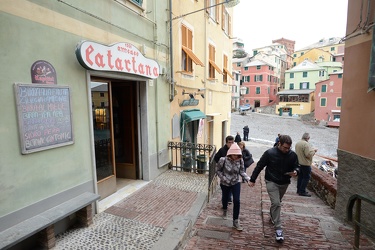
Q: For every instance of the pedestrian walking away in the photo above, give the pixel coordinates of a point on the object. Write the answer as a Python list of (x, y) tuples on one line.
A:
[(228, 170), (281, 163), (305, 153), (246, 133), (238, 138), (277, 140), (229, 140), (246, 156)]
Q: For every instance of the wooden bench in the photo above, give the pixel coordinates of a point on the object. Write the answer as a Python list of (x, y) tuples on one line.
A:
[(43, 223)]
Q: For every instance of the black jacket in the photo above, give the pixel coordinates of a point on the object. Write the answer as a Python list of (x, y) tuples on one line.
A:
[(221, 153), (237, 139), (277, 164), (247, 157)]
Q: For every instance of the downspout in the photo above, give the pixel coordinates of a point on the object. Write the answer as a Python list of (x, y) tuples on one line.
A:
[(371, 75), (171, 95), (156, 89)]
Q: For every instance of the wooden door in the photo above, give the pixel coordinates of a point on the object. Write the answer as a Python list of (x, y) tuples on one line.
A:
[(124, 126)]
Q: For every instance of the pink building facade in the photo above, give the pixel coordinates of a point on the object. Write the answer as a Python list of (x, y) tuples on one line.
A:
[(328, 99), (261, 83)]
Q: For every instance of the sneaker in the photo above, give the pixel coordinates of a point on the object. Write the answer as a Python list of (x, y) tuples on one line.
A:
[(279, 235), (225, 213), (236, 225)]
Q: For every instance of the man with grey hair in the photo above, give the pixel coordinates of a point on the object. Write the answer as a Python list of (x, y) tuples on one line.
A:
[(305, 154)]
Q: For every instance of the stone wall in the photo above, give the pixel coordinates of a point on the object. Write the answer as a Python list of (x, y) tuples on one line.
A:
[(324, 186)]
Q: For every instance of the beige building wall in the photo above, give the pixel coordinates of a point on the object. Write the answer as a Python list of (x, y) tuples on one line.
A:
[(216, 104)]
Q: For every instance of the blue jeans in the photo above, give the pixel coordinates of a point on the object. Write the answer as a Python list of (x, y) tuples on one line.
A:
[(303, 178), (235, 190)]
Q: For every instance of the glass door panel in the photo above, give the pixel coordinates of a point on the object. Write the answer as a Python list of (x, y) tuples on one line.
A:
[(102, 130)]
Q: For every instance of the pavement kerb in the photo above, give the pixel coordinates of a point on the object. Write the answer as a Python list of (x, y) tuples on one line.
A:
[(180, 226)]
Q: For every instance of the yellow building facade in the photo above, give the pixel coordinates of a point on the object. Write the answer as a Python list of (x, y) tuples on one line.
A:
[(201, 74)]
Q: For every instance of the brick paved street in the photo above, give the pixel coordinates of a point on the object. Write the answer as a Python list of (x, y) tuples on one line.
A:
[(308, 223)]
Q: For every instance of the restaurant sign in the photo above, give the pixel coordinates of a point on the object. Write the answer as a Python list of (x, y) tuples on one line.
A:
[(119, 57)]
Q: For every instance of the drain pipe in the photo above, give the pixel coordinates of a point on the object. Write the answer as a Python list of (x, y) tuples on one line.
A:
[(371, 75), (171, 94)]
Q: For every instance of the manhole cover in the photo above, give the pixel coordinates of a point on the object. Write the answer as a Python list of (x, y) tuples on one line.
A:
[(218, 221), (213, 234)]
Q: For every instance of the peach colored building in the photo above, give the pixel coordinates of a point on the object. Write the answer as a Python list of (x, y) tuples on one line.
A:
[(328, 99), (356, 153), (259, 79)]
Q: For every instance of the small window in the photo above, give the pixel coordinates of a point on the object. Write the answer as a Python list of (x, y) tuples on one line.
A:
[(304, 74), (238, 64), (101, 94), (302, 53), (324, 88), (338, 102), (294, 55), (304, 85), (258, 90), (321, 73), (323, 102), (246, 68), (339, 75), (138, 2), (255, 52), (258, 67), (291, 75), (291, 86), (332, 48)]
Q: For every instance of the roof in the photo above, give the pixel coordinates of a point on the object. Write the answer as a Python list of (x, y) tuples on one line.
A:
[(306, 65), (323, 42), (295, 92), (257, 62), (100, 88)]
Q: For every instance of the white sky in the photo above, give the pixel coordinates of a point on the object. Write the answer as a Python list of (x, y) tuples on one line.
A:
[(258, 22)]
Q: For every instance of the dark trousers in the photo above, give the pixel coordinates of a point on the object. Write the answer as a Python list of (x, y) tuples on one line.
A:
[(235, 190), (245, 136), (303, 178)]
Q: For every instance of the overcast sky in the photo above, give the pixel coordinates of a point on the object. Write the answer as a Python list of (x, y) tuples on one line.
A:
[(258, 22)]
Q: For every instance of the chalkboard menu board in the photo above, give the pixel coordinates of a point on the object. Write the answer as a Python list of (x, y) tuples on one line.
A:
[(44, 116)]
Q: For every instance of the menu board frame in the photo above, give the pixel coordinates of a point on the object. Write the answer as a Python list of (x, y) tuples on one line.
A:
[(44, 116)]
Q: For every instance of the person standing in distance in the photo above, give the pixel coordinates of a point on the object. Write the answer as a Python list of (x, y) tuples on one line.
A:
[(229, 140), (305, 154), (238, 138), (228, 169), (281, 163), (246, 133)]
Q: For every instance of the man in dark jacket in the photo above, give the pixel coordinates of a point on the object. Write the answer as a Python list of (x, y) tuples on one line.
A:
[(281, 163), (246, 133), (238, 138), (229, 140)]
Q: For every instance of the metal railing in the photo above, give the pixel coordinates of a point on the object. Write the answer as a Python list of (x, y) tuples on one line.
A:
[(357, 199), (196, 158)]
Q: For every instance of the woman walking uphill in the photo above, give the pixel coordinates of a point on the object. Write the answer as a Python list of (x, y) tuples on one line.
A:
[(229, 169)]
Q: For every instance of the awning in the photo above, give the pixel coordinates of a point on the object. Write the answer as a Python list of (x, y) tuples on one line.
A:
[(229, 74), (193, 57), (216, 67), (192, 115)]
